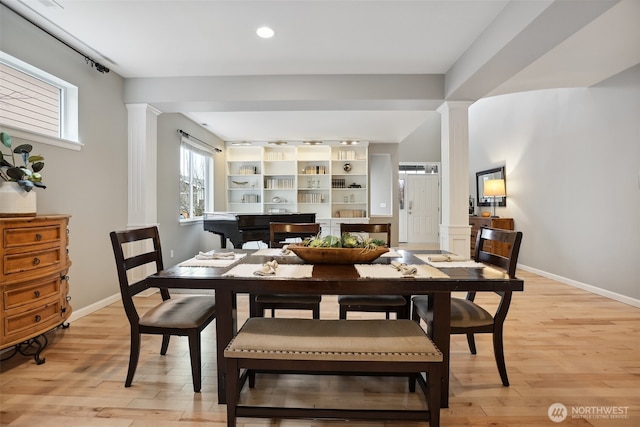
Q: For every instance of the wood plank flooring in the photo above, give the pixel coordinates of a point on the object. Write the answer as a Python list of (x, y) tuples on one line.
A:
[(563, 345)]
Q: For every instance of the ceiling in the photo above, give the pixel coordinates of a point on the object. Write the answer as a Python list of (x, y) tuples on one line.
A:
[(481, 47)]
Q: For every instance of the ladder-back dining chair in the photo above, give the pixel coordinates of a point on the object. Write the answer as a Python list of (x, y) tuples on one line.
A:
[(468, 317), (278, 233), (397, 304), (186, 315)]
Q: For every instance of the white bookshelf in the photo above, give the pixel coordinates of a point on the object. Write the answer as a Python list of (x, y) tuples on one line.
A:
[(327, 179)]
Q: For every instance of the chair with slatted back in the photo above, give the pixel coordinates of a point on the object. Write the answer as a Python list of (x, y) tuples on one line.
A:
[(397, 304), (468, 317), (278, 233), (183, 315)]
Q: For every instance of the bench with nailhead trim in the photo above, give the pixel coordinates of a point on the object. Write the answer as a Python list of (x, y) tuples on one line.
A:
[(346, 347)]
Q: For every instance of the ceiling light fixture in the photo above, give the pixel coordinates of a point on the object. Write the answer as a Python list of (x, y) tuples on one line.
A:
[(312, 142), (265, 32), (349, 142), (277, 142)]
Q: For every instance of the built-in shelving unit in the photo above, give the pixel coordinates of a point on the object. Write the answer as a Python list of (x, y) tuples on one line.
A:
[(328, 179)]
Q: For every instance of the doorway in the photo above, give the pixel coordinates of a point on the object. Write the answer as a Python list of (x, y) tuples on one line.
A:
[(419, 203)]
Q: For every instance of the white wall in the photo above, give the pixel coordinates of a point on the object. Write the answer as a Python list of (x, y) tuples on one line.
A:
[(572, 161)]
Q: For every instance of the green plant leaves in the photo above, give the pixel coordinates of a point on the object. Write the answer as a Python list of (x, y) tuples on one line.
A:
[(26, 176), (6, 139), (37, 166)]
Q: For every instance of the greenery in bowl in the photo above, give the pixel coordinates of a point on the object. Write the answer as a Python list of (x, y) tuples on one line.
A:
[(347, 240), (27, 174)]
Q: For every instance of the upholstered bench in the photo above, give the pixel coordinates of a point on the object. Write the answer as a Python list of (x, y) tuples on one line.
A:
[(358, 347)]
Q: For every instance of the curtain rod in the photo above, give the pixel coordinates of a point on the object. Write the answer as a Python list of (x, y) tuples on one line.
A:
[(99, 67), (186, 135)]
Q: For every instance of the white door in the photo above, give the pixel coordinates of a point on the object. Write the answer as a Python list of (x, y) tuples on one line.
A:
[(423, 208)]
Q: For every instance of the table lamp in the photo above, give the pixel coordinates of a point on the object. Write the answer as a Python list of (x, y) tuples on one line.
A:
[(494, 188)]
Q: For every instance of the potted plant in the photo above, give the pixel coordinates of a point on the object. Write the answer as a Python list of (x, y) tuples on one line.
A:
[(16, 197)]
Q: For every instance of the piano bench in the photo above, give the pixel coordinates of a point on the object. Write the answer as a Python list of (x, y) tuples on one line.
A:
[(338, 347)]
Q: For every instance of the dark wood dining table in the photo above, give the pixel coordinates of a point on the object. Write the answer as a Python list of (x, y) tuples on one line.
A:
[(333, 279)]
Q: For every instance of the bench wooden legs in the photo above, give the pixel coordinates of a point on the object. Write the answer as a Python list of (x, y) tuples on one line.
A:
[(430, 386)]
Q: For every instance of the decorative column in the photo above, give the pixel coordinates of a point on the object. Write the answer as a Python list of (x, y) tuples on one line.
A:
[(455, 230), (142, 173), (142, 132)]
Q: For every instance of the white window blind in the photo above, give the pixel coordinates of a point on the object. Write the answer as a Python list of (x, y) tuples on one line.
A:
[(29, 103), (196, 180)]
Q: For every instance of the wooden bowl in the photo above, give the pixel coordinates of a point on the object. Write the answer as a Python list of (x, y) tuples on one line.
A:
[(337, 255)]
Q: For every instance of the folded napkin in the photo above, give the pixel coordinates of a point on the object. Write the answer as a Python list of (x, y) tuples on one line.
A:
[(215, 255), (267, 269), (404, 268), (285, 250), (446, 258)]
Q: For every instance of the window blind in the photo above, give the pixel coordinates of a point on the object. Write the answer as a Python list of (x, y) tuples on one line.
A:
[(29, 103)]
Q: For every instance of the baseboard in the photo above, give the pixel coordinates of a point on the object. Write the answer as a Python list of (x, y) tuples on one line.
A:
[(85, 311), (589, 288)]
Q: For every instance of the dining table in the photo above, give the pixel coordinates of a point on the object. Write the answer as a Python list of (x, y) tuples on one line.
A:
[(295, 276)]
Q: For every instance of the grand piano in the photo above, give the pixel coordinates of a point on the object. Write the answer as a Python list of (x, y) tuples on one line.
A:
[(248, 227)]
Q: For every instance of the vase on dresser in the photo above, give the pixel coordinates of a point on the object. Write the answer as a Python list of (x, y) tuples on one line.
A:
[(15, 201)]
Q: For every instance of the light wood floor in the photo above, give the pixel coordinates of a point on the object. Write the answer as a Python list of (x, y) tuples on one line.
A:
[(563, 345)]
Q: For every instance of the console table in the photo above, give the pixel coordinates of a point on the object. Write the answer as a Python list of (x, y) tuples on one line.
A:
[(478, 222)]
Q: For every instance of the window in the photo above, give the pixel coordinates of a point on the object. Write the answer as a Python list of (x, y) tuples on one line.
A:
[(196, 181), (37, 102)]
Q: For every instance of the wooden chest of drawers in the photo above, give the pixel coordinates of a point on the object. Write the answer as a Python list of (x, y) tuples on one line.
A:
[(477, 222), (34, 286)]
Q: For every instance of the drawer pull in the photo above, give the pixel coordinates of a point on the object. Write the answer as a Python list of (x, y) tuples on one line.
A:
[(36, 294), (64, 277), (38, 318), (36, 261), (38, 237)]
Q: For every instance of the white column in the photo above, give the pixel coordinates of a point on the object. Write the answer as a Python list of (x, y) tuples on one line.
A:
[(455, 230), (142, 133)]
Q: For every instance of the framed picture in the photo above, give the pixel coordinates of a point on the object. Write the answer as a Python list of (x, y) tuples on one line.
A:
[(481, 178)]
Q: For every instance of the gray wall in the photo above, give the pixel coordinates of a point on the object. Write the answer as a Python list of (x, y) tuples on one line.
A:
[(423, 144), (185, 240), (572, 161), (90, 184)]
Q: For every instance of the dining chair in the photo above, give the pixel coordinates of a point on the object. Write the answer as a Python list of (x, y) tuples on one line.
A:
[(278, 233), (186, 315), (397, 304), (468, 317)]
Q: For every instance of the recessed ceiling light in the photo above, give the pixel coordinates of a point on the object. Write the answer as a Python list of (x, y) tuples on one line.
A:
[(265, 32)]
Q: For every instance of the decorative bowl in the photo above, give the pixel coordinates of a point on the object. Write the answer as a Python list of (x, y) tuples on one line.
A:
[(337, 255)]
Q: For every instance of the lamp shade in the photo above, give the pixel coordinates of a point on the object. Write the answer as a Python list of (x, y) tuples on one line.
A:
[(494, 188)]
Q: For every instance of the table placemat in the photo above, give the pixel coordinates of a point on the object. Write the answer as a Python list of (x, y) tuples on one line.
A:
[(449, 264), (273, 252), (293, 271), (388, 271), (391, 254), (193, 262)]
